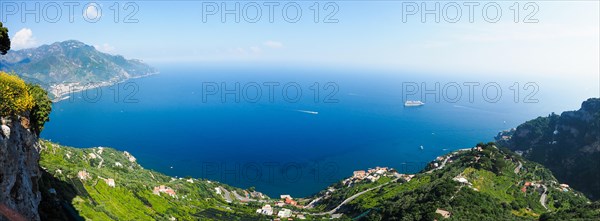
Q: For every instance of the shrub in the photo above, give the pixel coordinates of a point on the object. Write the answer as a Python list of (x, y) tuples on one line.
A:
[(40, 111), (14, 95)]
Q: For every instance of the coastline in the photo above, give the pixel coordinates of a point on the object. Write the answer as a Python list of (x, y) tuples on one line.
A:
[(60, 90)]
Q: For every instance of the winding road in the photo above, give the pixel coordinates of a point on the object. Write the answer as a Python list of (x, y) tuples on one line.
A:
[(518, 168), (543, 197), (441, 166), (352, 198), (226, 195)]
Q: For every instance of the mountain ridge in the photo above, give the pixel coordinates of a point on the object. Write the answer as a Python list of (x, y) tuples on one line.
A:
[(70, 66)]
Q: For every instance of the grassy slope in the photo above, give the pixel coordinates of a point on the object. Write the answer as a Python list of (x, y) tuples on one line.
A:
[(132, 198)]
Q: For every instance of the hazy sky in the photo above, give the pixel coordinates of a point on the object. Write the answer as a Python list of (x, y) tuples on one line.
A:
[(563, 39)]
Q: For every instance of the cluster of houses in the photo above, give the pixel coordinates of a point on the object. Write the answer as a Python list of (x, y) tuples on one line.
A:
[(265, 210), (287, 199), (505, 135), (164, 189), (283, 213), (564, 187), (84, 175), (372, 174), (528, 184)]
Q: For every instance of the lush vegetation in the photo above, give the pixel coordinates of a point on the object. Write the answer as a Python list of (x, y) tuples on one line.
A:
[(132, 197), (14, 97), (493, 192), (567, 144), (586, 212), (4, 40), (42, 106), (25, 100)]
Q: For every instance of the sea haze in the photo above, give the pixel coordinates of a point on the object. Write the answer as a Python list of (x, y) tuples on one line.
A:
[(279, 147)]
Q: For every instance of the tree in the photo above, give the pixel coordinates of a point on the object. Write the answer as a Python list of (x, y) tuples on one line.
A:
[(40, 111), (499, 165), (4, 40)]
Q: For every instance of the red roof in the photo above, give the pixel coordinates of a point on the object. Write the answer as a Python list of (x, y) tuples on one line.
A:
[(290, 201)]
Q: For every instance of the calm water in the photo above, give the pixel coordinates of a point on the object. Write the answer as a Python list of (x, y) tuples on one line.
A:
[(280, 147)]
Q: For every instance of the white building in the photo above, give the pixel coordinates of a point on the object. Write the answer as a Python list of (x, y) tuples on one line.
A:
[(284, 213), (110, 182), (265, 210), (82, 175)]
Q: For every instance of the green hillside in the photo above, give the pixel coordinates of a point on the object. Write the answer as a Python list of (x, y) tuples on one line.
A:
[(483, 183), (69, 196), (473, 184), (568, 144)]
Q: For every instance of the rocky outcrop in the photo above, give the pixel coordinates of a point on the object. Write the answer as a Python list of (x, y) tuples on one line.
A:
[(19, 170)]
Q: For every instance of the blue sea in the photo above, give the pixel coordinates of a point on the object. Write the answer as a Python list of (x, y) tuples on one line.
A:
[(324, 125)]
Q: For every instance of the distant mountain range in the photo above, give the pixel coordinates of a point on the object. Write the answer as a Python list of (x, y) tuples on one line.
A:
[(73, 64)]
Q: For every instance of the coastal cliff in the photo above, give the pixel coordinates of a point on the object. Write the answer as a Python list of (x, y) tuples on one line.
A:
[(24, 108), (19, 169)]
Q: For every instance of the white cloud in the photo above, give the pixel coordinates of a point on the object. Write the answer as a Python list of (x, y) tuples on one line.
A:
[(106, 48), (273, 44), (23, 39), (92, 12)]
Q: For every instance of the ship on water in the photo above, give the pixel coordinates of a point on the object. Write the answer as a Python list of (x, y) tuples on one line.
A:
[(413, 103)]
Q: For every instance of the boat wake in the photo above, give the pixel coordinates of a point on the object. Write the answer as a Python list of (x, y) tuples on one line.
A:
[(308, 112)]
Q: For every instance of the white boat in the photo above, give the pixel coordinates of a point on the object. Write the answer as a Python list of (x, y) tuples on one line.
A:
[(421, 147), (413, 103)]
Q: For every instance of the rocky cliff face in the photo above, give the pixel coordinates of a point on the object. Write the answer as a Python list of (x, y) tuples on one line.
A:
[(19, 170)]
